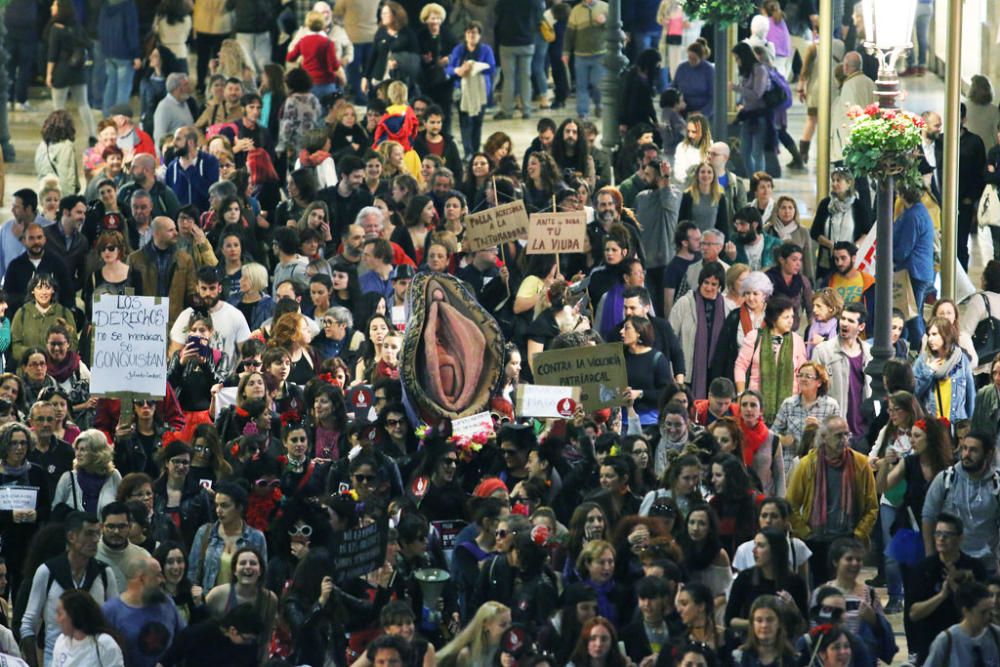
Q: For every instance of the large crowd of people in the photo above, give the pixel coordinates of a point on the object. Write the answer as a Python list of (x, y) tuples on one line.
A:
[(286, 192)]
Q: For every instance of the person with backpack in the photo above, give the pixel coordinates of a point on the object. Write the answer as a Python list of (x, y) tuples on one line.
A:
[(77, 568), (973, 641), (67, 54), (755, 118), (931, 585), (971, 491)]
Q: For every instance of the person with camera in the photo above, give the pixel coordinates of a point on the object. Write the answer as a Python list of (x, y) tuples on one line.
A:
[(931, 585), (198, 366)]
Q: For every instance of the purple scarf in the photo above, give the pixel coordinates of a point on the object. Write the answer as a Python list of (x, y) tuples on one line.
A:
[(614, 309), (605, 607), (704, 343)]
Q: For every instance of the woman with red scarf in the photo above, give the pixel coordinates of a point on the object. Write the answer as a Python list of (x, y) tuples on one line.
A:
[(761, 449)]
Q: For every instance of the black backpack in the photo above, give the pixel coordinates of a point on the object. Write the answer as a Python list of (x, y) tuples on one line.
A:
[(81, 48), (986, 338)]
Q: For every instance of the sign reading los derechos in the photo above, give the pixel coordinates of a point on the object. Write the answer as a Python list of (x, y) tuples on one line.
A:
[(130, 345), (599, 371), (556, 232), (490, 228)]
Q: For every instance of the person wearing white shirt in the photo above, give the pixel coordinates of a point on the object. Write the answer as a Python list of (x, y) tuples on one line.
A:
[(82, 642), (774, 513)]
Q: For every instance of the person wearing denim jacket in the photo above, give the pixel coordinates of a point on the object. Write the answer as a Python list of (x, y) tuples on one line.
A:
[(205, 557), (943, 374)]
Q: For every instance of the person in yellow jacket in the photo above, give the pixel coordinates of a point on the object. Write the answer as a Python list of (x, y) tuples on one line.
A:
[(832, 494)]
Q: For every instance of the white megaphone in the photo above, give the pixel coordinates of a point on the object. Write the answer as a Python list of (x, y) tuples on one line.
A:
[(432, 581)]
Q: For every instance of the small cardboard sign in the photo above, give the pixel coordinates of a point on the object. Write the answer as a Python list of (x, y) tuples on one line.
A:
[(535, 400), (494, 226), (560, 232), (466, 427), (598, 370)]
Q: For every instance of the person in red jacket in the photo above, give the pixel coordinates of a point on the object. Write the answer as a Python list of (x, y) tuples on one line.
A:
[(319, 57)]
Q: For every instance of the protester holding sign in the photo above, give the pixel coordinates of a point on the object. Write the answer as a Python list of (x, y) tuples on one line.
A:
[(24, 495)]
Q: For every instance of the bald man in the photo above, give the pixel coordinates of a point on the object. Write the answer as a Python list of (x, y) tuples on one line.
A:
[(858, 90), (143, 177), (144, 616), (165, 269)]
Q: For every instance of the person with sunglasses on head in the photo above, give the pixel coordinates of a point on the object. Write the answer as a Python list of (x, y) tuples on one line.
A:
[(302, 475)]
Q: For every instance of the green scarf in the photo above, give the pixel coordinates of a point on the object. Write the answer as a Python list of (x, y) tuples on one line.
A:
[(777, 376)]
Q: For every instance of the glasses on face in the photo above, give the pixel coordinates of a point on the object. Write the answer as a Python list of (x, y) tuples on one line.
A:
[(57, 343), (180, 463), (145, 404), (264, 483), (450, 462), (805, 376), (199, 449), (253, 363), (364, 479), (304, 531), (945, 534), (43, 420), (393, 423), (501, 533), (109, 248)]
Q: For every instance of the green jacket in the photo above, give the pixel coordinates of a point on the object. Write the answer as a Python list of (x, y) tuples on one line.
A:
[(585, 29), (30, 327)]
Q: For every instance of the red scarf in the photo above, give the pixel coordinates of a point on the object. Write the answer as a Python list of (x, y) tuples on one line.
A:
[(63, 370), (753, 437), (745, 322), (383, 370), (846, 465), (312, 159)]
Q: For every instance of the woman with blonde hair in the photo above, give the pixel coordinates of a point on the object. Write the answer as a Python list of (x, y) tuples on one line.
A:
[(233, 63), (786, 227), (479, 642), (392, 154), (400, 125), (93, 482), (316, 217), (49, 194), (694, 149), (704, 201), (347, 135)]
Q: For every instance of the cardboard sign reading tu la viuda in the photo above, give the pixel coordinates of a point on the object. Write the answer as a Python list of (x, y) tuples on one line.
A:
[(558, 232), (494, 226), (598, 370), (535, 400), (130, 346)]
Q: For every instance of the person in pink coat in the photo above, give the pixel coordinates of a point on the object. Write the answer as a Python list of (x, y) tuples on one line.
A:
[(770, 357)]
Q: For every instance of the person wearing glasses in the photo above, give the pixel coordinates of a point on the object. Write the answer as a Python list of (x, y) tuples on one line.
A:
[(137, 441), (112, 275), (19, 526), (442, 497), (933, 584), (53, 455), (818, 516), (810, 406), (208, 461), (176, 493)]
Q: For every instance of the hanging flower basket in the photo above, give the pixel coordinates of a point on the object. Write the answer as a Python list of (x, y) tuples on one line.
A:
[(720, 12), (883, 143)]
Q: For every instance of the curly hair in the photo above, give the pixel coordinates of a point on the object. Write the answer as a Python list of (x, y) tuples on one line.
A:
[(98, 458), (285, 331), (58, 127)]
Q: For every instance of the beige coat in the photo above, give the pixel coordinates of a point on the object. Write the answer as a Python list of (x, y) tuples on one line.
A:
[(211, 17)]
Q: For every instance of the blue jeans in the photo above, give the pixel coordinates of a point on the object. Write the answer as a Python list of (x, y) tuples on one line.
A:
[(472, 132), (98, 76), (118, 88), (915, 326), (923, 25), (361, 53), (589, 72), (20, 66), (644, 40), (539, 81), (753, 134), (321, 90), (893, 572), (516, 64)]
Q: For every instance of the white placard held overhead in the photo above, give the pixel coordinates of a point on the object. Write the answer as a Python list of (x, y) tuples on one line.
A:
[(130, 346)]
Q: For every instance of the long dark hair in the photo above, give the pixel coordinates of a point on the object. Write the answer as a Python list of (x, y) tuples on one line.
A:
[(84, 612), (161, 553), (745, 58), (309, 575), (699, 556), (575, 158), (777, 542)]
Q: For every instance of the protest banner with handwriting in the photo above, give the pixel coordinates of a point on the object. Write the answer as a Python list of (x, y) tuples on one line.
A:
[(598, 370), (558, 232), (130, 346), (358, 551), (490, 228)]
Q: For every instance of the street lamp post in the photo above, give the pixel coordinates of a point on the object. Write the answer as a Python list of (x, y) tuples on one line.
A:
[(888, 26), (614, 64)]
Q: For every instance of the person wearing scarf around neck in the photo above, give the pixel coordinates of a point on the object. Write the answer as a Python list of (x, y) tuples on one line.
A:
[(786, 227), (596, 565), (773, 374), (698, 318), (810, 406), (607, 281), (762, 451), (790, 280), (842, 216), (819, 516), (302, 476), (755, 289), (945, 385)]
